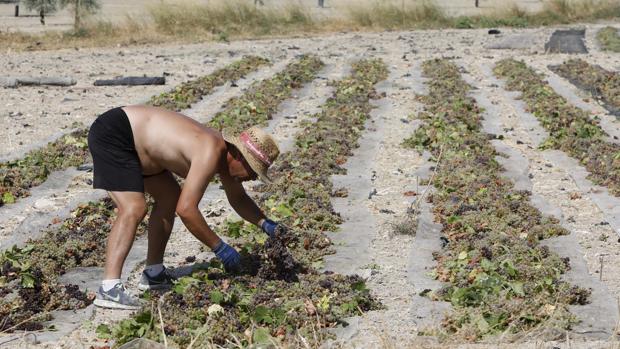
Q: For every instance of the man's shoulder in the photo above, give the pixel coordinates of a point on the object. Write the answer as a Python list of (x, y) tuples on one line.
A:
[(208, 144)]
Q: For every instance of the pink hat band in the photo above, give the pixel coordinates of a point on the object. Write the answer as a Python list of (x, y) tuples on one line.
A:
[(254, 149)]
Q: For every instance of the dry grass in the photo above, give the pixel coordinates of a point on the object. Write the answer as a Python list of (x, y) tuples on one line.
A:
[(609, 39), (554, 12), (566, 11), (406, 225), (237, 19), (386, 15), (95, 34)]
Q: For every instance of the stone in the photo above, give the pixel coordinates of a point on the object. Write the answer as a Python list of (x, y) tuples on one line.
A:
[(43, 204)]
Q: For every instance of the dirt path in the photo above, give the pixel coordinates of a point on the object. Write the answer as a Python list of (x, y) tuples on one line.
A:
[(379, 174)]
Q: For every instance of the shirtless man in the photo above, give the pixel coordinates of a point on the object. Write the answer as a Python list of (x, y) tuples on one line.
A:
[(137, 149)]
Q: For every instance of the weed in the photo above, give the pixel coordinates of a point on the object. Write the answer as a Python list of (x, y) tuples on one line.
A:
[(406, 225), (571, 129), (609, 39), (188, 93), (499, 279), (261, 101), (33, 270), (599, 82), (18, 176)]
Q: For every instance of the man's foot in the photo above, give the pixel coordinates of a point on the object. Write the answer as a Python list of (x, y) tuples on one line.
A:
[(116, 298), (162, 280)]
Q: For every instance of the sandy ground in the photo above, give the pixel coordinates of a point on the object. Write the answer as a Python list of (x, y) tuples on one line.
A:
[(119, 11), (31, 115)]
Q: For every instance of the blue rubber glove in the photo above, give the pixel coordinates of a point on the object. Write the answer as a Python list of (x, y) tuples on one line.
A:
[(269, 227), (229, 256)]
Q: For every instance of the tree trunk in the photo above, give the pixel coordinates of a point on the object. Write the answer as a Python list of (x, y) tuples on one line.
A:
[(10, 81), (77, 24)]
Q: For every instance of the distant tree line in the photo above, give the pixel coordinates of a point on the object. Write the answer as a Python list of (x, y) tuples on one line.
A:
[(79, 8)]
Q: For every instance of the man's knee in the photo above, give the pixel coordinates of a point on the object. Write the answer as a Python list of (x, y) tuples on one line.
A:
[(165, 210), (134, 211)]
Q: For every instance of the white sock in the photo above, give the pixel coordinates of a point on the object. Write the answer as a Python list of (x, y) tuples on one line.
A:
[(109, 284), (154, 270)]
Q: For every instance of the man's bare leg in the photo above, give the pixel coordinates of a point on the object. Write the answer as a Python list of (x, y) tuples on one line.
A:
[(165, 191), (131, 210)]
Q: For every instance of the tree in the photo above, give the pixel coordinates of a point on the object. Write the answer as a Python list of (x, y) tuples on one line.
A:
[(42, 6), (80, 7)]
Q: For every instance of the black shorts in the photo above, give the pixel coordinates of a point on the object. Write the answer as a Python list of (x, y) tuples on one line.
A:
[(115, 160)]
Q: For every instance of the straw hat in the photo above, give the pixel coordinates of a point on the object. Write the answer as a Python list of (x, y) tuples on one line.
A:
[(257, 147)]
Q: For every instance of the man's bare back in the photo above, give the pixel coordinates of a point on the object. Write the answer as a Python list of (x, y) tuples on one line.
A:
[(166, 140)]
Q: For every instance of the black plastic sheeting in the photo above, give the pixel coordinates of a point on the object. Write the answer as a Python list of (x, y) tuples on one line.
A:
[(567, 41)]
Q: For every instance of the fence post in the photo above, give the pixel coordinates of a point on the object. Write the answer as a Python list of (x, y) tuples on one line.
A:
[(16, 10)]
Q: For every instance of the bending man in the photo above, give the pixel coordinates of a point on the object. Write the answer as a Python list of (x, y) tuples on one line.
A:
[(137, 149)]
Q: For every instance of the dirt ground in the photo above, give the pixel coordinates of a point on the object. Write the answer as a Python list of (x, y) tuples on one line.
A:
[(32, 115), (119, 11)]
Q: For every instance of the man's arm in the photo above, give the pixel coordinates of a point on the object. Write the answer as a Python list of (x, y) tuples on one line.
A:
[(241, 202), (200, 173)]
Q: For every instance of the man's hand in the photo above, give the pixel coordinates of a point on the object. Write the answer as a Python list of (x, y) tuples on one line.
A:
[(229, 256), (269, 227)]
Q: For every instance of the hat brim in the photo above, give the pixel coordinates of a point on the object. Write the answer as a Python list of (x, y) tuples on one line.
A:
[(255, 164)]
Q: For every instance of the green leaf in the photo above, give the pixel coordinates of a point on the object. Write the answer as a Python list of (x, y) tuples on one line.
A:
[(278, 315), (349, 307), (482, 324), (359, 286), (262, 314), (261, 335), (509, 267), (27, 280), (27, 249), (517, 288), (453, 219), (234, 228), (487, 265), (184, 283), (103, 331), (283, 210), (8, 198), (324, 303), (318, 264), (145, 318), (216, 296)]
